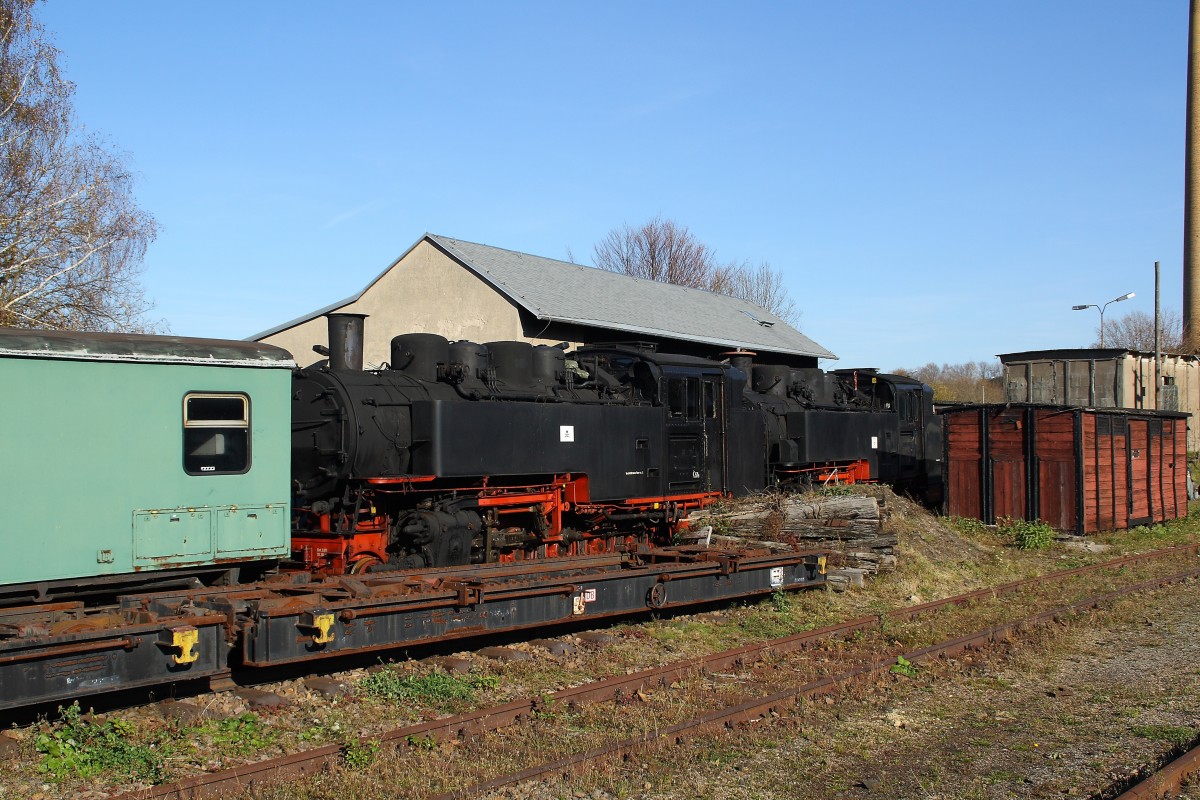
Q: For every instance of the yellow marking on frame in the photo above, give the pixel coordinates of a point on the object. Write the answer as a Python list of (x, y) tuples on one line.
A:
[(186, 639), (324, 625)]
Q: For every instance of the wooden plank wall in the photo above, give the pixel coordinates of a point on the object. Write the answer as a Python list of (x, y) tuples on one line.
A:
[(964, 464), (1134, 467)]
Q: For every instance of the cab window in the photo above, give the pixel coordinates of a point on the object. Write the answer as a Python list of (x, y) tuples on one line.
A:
[(216, 433), (683, 396)]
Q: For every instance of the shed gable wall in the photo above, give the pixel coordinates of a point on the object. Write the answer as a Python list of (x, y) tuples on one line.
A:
[(425, 292)]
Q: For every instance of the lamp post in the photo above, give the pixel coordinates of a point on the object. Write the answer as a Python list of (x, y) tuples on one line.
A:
[(1101, 310)]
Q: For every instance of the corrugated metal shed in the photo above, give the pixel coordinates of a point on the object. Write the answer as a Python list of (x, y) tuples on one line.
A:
[(1081, 470)]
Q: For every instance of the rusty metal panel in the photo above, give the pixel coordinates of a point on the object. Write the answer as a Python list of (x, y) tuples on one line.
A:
[(1045, 384), (1079, 383), (1106, 384)]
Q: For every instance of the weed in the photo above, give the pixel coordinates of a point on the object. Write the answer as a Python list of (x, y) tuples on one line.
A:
[(322, 731), (782, 601), (426, 742), (546, 708), (835, 490), (358, 754), (82, 748), (968, 525), (904, 667), (245, 734)]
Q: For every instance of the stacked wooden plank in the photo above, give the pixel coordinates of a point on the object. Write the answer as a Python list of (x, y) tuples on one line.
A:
[(850, 526)]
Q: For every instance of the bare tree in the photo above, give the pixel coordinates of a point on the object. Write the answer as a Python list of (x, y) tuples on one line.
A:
[(71, 237), (1135, 331), (663, 250), (764, 287), (660, 250)]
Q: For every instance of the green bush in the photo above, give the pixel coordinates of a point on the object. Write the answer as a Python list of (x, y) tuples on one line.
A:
[(1028, 535)]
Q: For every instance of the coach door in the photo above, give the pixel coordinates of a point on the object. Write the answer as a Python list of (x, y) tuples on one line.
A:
[(694, 432)]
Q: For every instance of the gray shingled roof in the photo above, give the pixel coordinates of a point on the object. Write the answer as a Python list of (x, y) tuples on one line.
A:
[(557, 291)]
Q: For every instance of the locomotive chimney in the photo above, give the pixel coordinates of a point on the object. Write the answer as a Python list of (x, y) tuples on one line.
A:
[(740, 359), (346, 342)]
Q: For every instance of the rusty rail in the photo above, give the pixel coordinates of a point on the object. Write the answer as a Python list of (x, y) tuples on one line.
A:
[(779, 701), (1167, 781)]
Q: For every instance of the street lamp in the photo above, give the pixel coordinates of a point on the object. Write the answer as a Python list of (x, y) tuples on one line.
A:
[(1101, 310)]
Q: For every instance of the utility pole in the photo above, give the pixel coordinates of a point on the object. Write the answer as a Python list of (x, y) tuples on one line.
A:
[(1157, 340)]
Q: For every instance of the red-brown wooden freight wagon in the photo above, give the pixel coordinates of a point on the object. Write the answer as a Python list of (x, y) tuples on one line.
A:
[(1082, 470)]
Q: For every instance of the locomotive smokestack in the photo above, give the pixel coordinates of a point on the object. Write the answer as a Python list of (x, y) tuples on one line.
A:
[(1191, 190), (346, 341), (741, 359)]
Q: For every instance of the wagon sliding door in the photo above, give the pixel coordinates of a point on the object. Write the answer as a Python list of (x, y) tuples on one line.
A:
[(1056, 446), (1138, 469), (1006, 460)]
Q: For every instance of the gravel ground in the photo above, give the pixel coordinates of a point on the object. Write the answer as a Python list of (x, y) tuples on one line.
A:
[(1063, 712)]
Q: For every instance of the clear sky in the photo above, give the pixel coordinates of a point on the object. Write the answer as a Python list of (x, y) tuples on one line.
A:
[(938, 181)]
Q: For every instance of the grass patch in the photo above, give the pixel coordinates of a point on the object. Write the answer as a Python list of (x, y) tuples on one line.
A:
[(1177, 735), (436, 689)]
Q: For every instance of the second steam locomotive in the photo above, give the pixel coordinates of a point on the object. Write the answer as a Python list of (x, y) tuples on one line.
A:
[(458, 453)]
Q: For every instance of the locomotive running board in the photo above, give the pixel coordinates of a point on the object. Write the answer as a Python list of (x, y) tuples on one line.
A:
[(57, 653)]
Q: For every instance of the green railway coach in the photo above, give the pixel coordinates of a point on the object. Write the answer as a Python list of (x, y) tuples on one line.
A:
[(130, 460)]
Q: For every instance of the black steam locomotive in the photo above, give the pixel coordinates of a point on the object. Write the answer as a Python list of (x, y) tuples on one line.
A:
[(459, 453)]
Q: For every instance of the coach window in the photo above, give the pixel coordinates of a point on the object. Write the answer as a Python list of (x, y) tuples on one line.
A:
[(216, 434)]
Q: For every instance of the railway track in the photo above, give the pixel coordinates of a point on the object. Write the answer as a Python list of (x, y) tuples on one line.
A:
[(1168, 780), (779, 700)]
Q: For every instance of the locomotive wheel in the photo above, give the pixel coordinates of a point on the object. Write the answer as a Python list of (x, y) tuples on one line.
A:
[(360, 565)]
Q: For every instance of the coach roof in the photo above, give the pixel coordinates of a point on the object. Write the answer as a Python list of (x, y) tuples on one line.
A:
[(84, 346)]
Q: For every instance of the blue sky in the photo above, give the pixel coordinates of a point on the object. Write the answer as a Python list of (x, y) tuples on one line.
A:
[(938, 181)]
